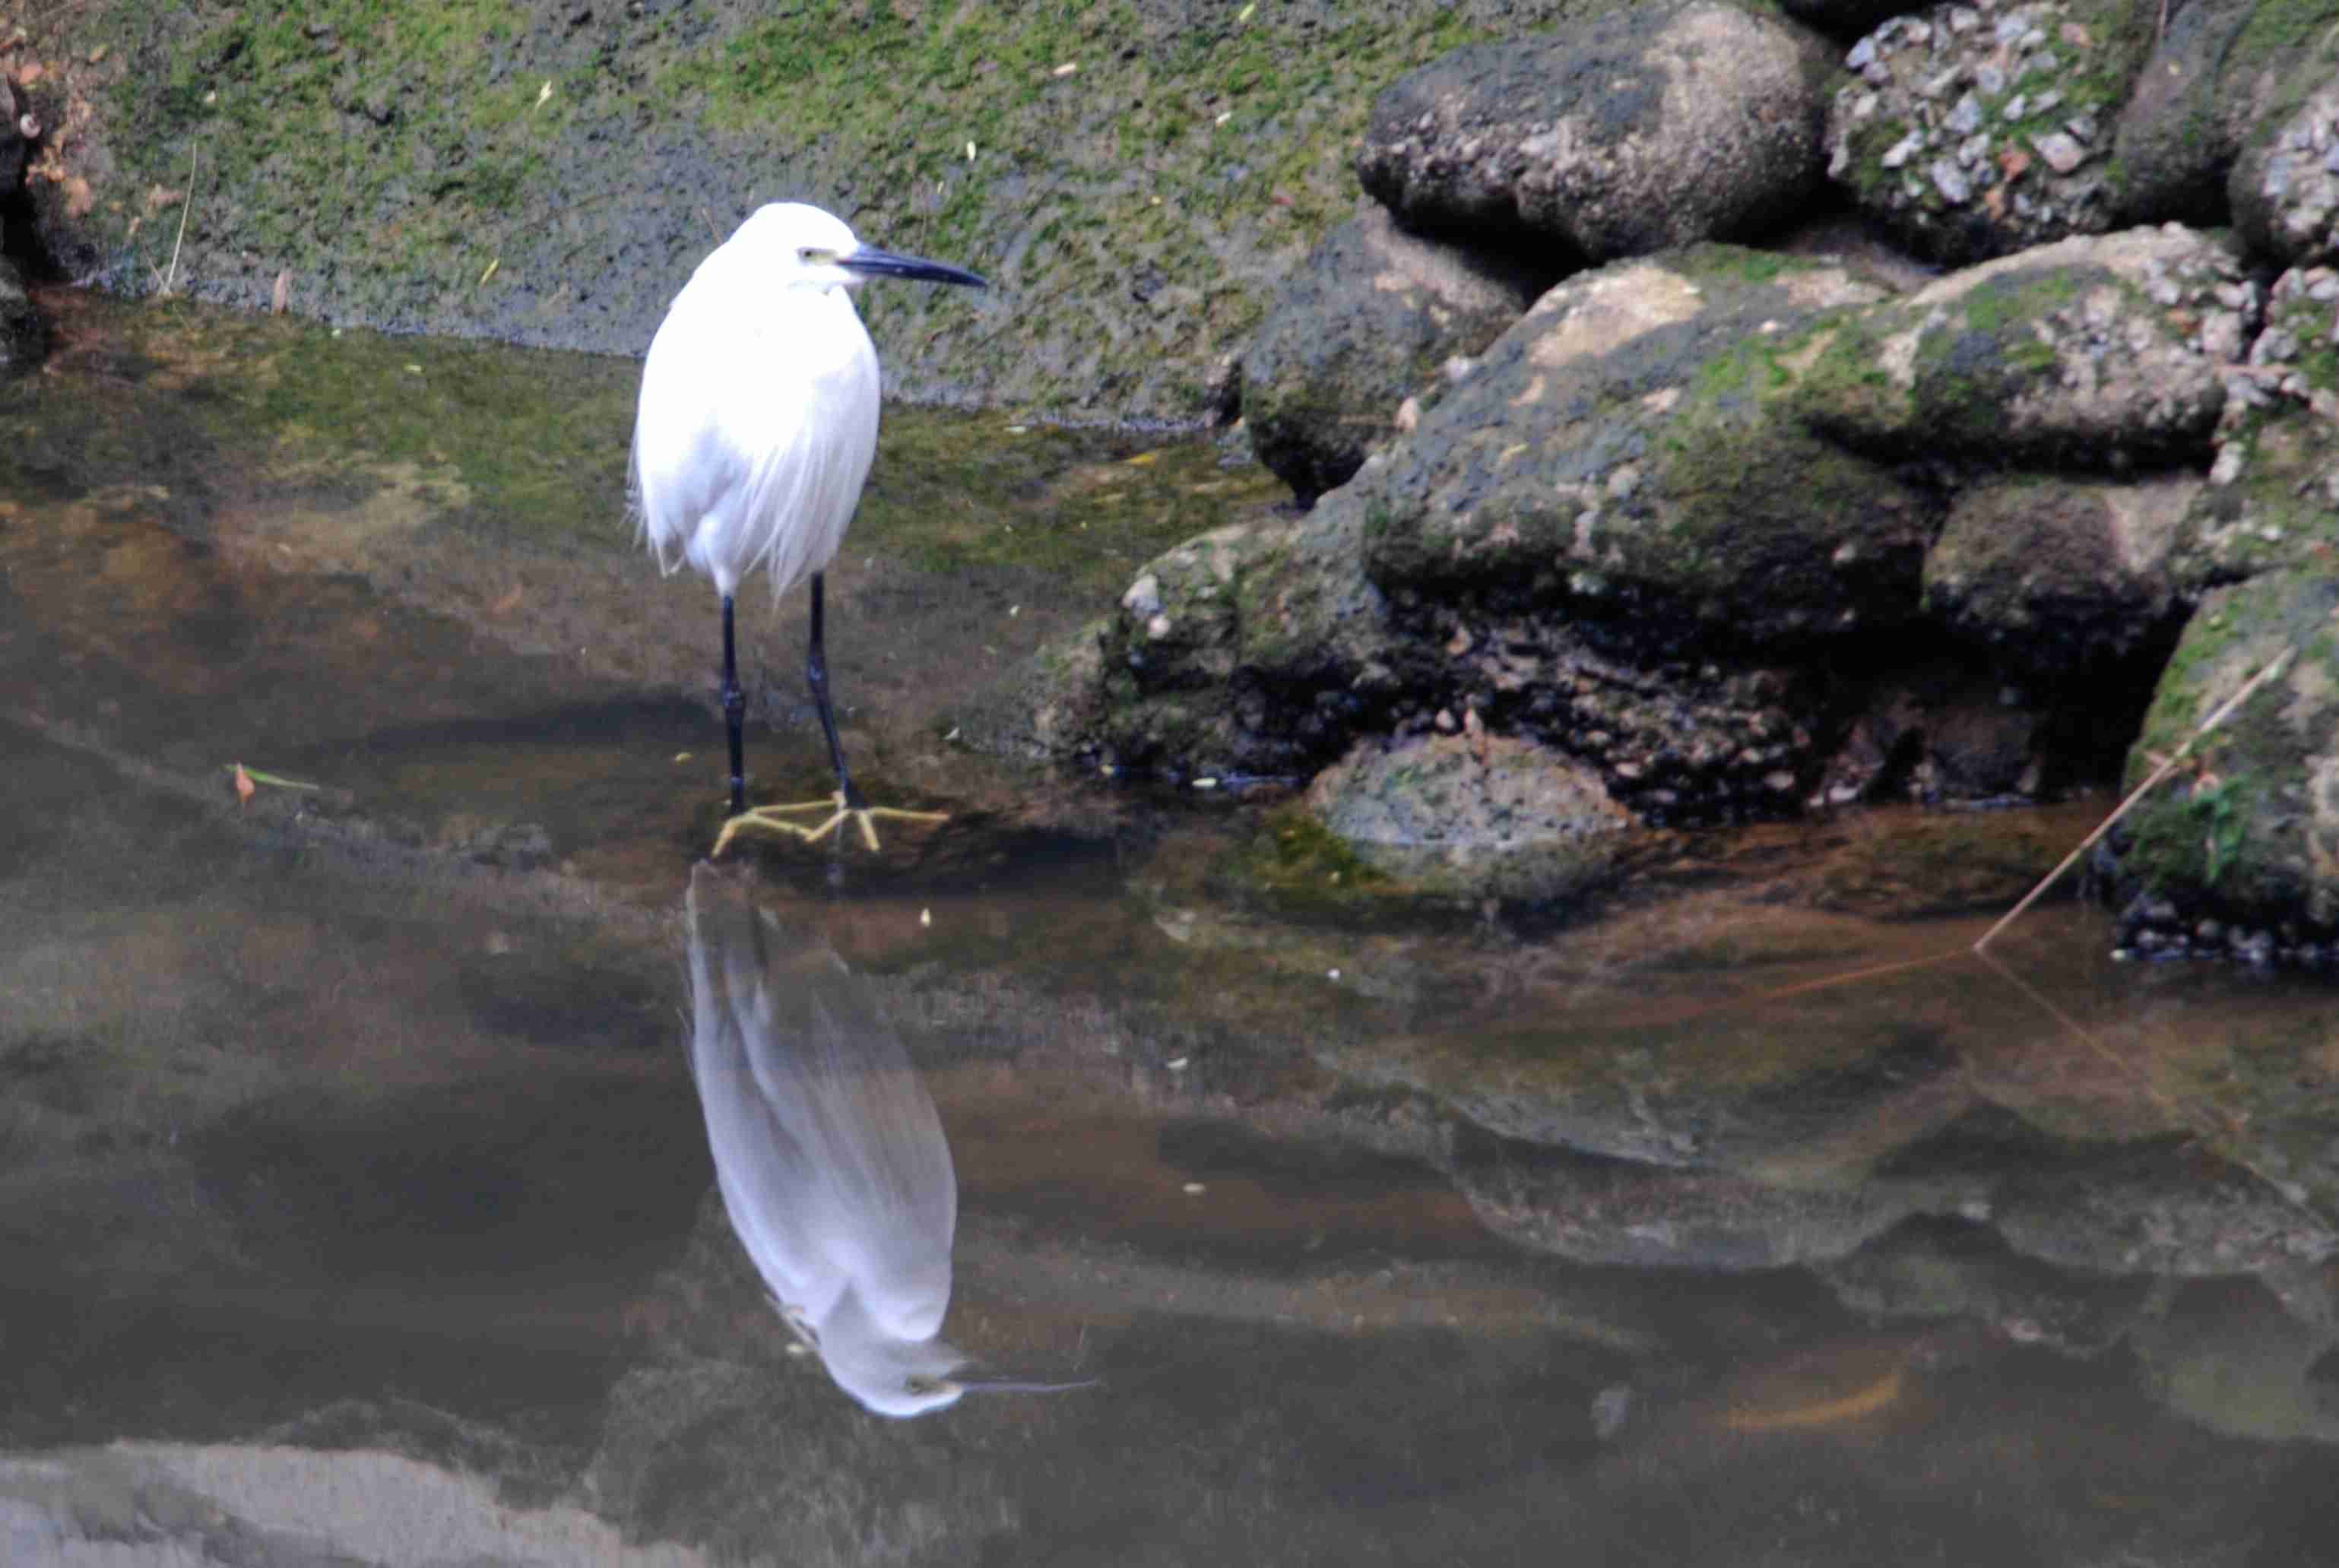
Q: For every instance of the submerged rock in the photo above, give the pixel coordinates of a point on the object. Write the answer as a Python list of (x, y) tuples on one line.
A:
[(1612, 1212), (1650, 127), (1473, 816), (1371, 318)]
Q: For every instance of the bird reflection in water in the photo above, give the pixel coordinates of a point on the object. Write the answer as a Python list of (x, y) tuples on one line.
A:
[(829, 1154)]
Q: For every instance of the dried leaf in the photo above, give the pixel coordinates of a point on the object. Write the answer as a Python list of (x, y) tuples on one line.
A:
[(2013, 162), (1143, 458), (79, 197), (510, 602), (244, 788), (28, 73), (281, 295), (2076, 36)]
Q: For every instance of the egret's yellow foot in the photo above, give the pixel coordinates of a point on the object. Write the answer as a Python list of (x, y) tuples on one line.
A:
[(771, 817)]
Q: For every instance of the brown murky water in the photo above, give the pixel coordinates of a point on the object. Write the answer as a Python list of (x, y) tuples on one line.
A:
[(355, 1203)]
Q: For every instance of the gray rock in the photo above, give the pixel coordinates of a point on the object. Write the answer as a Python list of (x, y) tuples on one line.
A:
[(2060, 355), (1363, 324), (1611, 1212), (1251, 649), (1479, 816), (2062, 151), (2146, 1208), (2020, 178), (1625, 447), (1620, 480), (2056, 573), (2285, 187), (2272, 496), (1650, 127)]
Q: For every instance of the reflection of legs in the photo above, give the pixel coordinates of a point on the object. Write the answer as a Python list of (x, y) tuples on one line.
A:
[(846, 801), (735, 715)]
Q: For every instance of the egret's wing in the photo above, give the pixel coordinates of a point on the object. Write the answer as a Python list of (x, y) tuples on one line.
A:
[(808, 424), (756, 428), (891, 1165), (678, 468), (843, 1170)]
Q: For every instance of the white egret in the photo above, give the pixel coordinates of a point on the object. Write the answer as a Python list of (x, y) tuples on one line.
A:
[(756, 425), (828, 1152)]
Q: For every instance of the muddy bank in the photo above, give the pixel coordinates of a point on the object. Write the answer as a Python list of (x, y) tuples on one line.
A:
[(1133, 181)]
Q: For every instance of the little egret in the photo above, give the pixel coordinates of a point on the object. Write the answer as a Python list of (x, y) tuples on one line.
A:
[(757, 422), (828, 1152)]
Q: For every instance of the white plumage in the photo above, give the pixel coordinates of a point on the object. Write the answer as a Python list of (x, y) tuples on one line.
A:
[(830, 1156), (753, 438), (759, 415)]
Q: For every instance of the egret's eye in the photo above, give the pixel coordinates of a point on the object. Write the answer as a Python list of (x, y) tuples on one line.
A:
[(814, 256), (920, 1384)]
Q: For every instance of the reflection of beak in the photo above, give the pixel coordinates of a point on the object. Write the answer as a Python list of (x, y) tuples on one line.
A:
[(870, 262), (1012, 1386)]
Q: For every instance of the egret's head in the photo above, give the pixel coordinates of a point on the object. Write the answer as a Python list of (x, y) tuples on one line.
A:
[(808, 248), (902, 1377), (893, 1377)]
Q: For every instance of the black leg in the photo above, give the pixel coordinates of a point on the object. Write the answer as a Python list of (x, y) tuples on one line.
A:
[(734, 714), (816, 675)]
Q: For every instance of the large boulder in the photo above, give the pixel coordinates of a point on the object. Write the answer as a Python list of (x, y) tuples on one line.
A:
[(1974, 131), (1369, 319), (1652, 127), (2249, 830), (2093, 352), (1627, 451)]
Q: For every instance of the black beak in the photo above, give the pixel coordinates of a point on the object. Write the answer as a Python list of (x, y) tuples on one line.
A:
[(870, 262)]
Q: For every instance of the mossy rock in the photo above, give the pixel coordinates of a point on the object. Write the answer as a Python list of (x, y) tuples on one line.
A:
[(1474, 817), (1629, 450), (2249, 828)]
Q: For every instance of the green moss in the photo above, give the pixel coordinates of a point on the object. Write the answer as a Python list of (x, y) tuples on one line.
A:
[(2226, 827), (1151, 197), (2281, 30), (532, 445)]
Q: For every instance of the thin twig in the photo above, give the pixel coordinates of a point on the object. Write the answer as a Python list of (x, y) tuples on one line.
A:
[(194, 152), (2162, 772)]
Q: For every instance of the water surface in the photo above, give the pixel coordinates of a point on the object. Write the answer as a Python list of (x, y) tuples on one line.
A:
[(355, 1202)]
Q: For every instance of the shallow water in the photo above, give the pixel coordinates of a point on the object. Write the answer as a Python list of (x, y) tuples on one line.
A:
[(355, 1198)]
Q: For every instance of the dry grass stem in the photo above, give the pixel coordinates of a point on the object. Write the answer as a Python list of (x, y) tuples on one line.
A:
[(2166, 767)]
